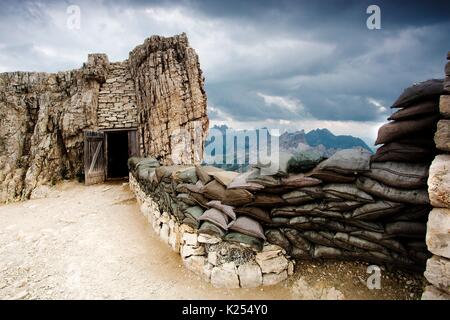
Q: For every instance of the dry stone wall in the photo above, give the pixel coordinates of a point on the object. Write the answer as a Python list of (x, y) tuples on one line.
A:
[(438, 227), (117, 99), (224, 264), (43, 115)]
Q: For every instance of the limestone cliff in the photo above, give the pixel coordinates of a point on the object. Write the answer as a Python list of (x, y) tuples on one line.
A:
[(170, 96)]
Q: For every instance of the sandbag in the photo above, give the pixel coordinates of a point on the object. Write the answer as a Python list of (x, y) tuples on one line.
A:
[(301, 254), (378, 237), (296, 239), (237, 197), (399, 174), (224, 177), (216, 217), (417, 110), (418, 196), (203, 173), (319, 237), (264, 180), (358, 242), (277, 237), (310, 209), (199, 199), (248, 226), (192, 216), (303, 161), (214, 190), (228, 210), (406, 229), (410, 213), (404, 151), (347, 161), (185, 175), (187, 188), (267, 200), (186, 198), (299, 180), (211, 229), (240, 182), (303, 195), (326, 252), (165, 172), (330, 176), (256, 213), (348, 192), (301, 222), (245, 239), (397, 130), (340, 206), (373, 211), (426, 90)]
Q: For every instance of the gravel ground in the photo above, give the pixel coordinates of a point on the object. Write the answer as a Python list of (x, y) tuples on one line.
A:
[(91, 242)]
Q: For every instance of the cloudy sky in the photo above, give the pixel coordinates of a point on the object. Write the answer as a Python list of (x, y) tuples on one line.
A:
[(280, 64)]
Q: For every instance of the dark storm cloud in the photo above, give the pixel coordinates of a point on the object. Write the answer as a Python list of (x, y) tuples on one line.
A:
[(263, 60)]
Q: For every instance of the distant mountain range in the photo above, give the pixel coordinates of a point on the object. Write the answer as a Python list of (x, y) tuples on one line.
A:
[(322, 140)]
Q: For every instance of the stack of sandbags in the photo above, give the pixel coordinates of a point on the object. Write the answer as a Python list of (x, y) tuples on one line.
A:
[(409, 135), (344, 208), (198, 196)]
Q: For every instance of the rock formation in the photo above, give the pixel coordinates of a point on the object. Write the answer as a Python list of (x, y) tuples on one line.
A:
[(43, 115)]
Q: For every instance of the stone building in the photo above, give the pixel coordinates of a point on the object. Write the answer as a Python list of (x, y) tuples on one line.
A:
[(87, 122)]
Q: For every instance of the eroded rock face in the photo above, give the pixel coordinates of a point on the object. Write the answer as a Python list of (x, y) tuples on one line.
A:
[(170, 97), (42, 121), (42, 116)]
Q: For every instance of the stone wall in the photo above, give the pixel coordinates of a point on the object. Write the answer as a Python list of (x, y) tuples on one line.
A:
[(43, 115), (438, 226), (117, 99), (224, 264)]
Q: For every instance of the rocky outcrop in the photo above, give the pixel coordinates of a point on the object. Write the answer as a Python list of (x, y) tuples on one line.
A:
[(42, 120), (43, 115), (170, 98)]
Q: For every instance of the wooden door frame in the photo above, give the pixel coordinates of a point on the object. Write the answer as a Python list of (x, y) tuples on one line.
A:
[(105, 151)]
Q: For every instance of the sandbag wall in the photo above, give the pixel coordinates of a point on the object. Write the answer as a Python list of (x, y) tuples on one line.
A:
[(175, 208), (342, 208), (438, 227)]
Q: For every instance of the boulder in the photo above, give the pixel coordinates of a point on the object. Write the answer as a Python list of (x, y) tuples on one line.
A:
[(438, 273), (439, 182), (442, 136), (270, 279), (250, 275), (438, 232), (433, 293), (273, 265), (225, 276), (444, 106)]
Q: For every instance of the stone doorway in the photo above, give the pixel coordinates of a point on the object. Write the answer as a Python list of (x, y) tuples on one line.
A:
[(120, 144)]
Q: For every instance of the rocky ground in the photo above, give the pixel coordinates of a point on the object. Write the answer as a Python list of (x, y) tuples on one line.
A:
[(91, 242)]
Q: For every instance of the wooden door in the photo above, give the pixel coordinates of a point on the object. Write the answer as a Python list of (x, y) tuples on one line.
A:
[(133, 149), (94, 157)]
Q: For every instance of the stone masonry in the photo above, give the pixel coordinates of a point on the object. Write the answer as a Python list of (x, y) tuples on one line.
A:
[(117, 99), (438, 227)]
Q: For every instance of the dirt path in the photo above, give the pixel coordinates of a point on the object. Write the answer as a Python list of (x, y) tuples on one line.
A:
[(92, 243)]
